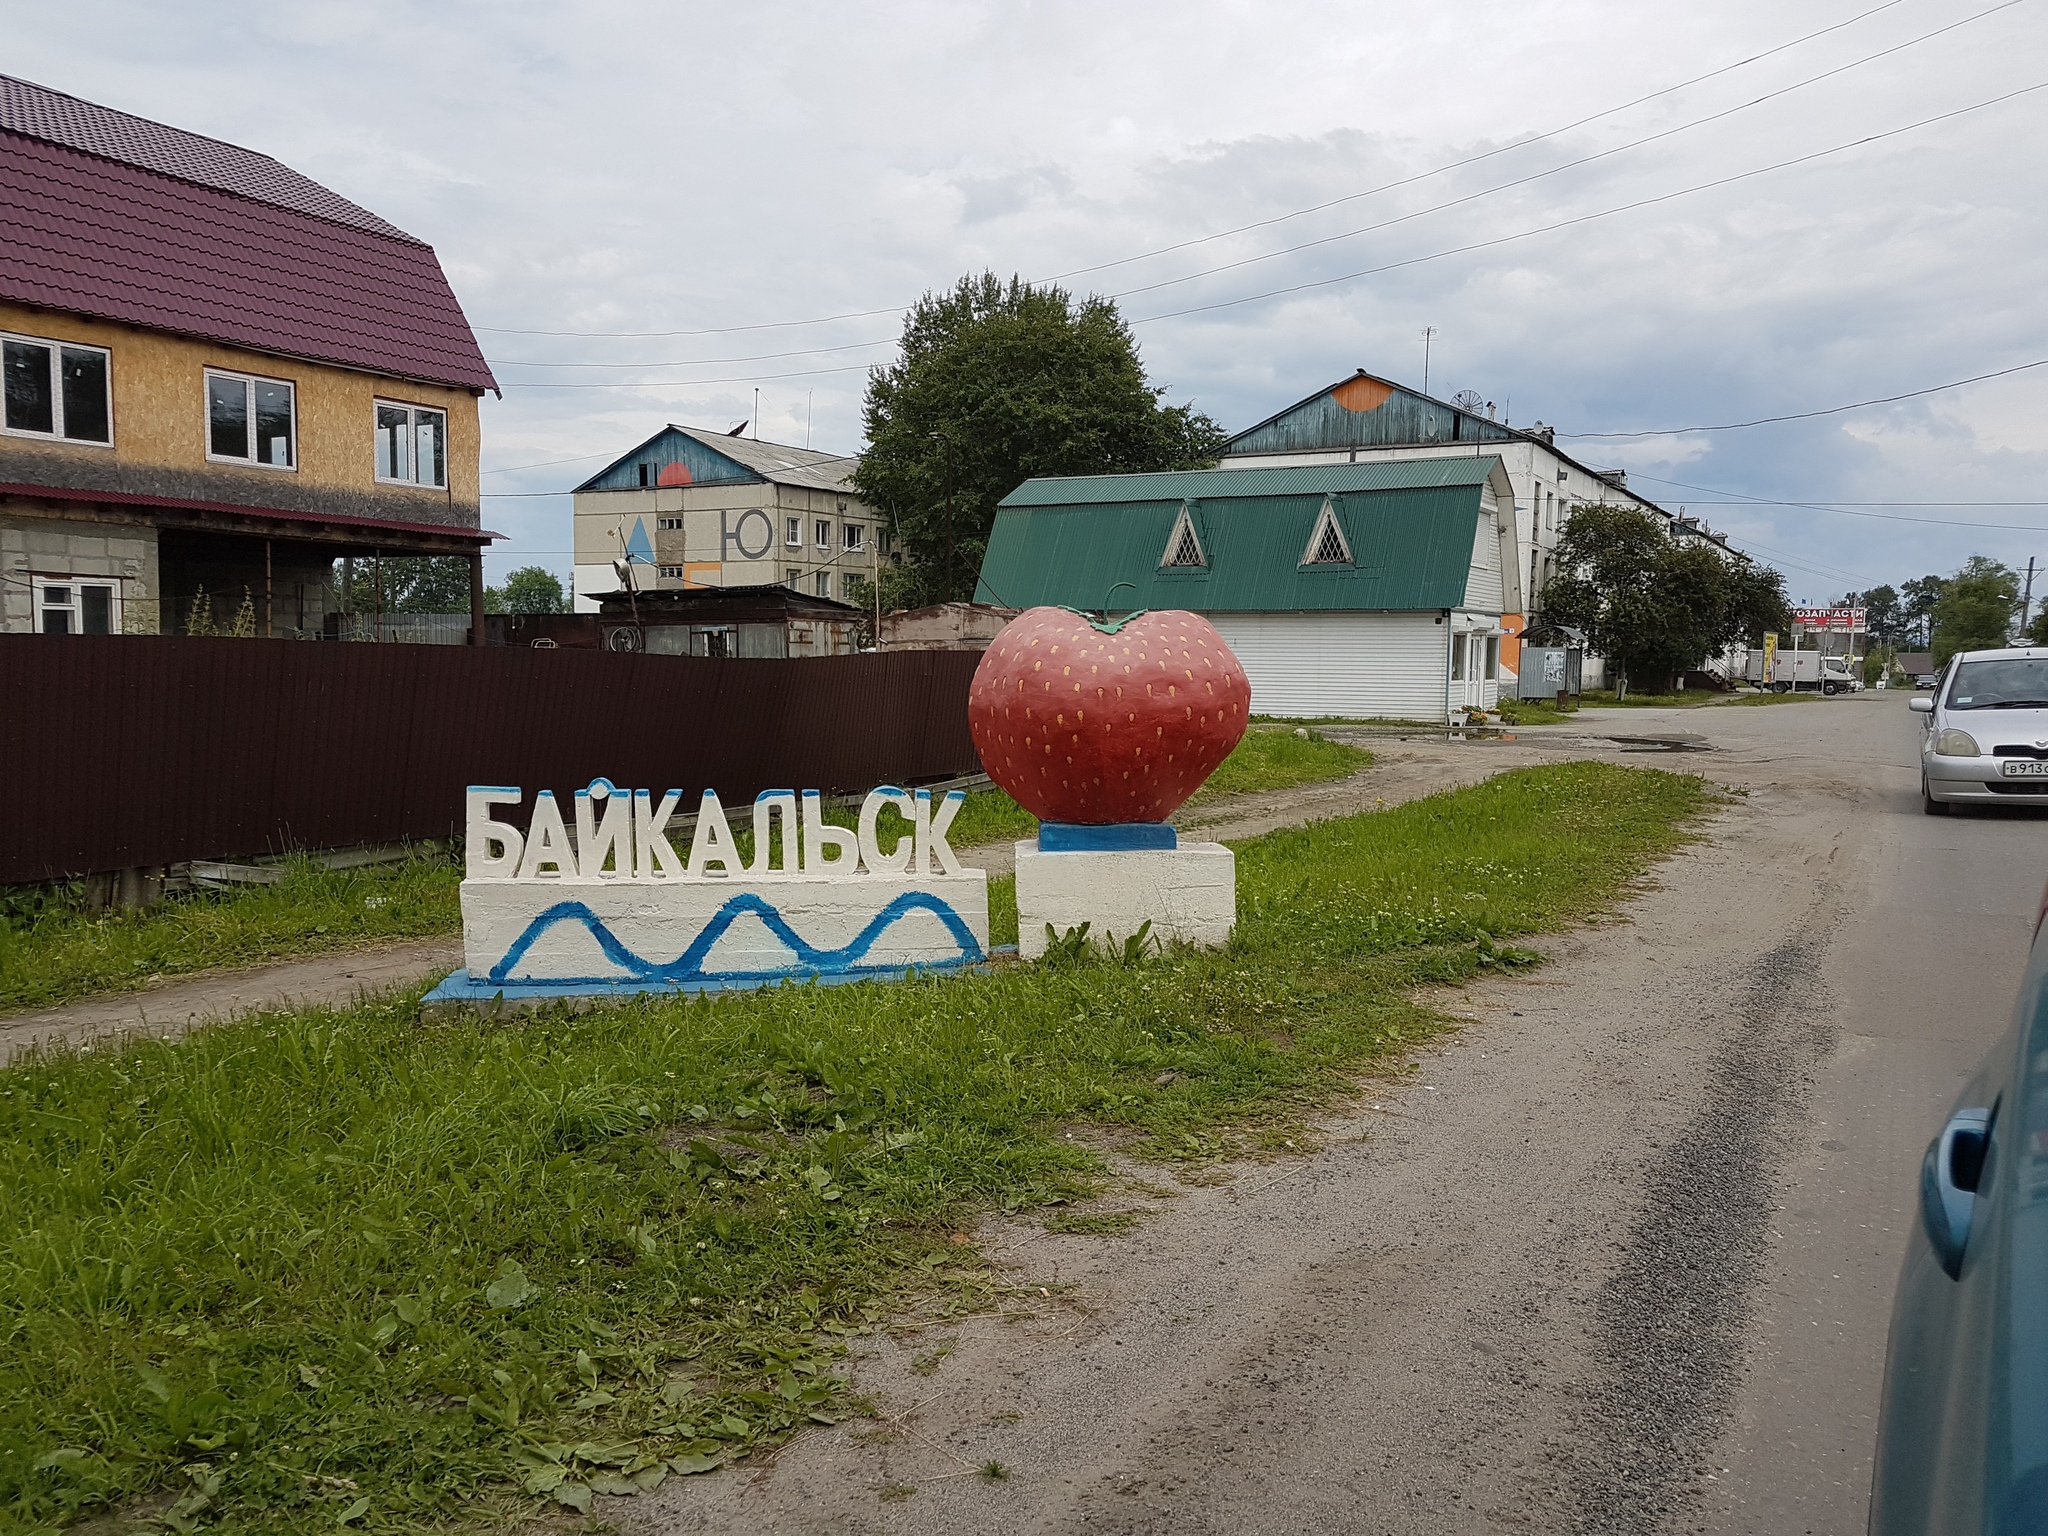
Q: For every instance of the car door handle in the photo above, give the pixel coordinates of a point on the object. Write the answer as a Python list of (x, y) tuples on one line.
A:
[(1949, 1176)]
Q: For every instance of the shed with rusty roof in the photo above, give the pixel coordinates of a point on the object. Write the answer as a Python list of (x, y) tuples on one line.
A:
[(1361, 590)]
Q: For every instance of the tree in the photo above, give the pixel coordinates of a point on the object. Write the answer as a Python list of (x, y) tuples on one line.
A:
[(530, 589), (1882, 613), (1916, 600), (412, 584), (1655, 608), (1976, 608), (998, 383)]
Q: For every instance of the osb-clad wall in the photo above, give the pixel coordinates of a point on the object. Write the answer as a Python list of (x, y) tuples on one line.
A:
[(159, 417)]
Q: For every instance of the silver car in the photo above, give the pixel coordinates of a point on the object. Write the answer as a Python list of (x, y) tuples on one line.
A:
[(1987, 731)]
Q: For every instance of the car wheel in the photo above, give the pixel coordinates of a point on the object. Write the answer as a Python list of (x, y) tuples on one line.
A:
[(1928, 803)]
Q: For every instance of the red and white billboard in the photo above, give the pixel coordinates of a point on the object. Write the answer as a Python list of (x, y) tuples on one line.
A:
[(1850, 619)]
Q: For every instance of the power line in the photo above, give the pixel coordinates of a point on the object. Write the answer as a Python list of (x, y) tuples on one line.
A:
[(1843, 509), (1588, 218), (1457, 165), (738, 378), (862, 314), (688, 362), (1833, 410), (1569, 165)]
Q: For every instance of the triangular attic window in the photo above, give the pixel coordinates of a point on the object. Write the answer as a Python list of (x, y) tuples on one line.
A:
[(1183, 545), (1327, 544)]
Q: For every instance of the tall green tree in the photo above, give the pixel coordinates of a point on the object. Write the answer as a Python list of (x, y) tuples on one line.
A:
[(998, 382), (1976, 609), (412, 584), (1917, 599), (1653, 607), (1883, 613), (530, 589)]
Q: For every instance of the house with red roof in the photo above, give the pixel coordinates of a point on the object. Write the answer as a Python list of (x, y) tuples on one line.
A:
[(221, 379)]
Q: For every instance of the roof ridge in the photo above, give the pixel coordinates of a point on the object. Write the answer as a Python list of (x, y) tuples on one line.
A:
[(44, 114)]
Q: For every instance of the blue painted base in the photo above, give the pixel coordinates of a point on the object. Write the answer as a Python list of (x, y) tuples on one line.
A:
[(461, 987), (1117, 837)]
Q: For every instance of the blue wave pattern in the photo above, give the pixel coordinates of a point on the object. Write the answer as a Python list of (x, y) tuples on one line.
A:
[(688, 967)]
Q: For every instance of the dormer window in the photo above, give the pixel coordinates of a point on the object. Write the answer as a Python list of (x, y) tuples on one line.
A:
[(1184, 545), (1327, 544)]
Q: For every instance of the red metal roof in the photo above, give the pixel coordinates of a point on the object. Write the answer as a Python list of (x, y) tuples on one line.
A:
[(116, 240), (182, 504), (37, 112)]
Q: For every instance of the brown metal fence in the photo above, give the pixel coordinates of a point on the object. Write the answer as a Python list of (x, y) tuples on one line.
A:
[(126, 751)]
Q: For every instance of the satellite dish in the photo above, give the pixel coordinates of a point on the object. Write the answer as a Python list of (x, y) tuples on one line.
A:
[(1469, 401), (624, 638)]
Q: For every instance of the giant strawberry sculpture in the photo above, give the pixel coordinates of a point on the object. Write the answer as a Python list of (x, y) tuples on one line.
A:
[(1098, 724)]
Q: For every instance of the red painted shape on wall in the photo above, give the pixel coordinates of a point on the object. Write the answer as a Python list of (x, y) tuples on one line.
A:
[(675, 474), (1083, 726)]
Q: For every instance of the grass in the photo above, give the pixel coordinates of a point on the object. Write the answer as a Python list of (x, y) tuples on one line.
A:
[(1685, 698), (58, 952), (51, 952), (1280, 759), (1774, 698), (1266, 759), (316, 1267), (1533, 712)]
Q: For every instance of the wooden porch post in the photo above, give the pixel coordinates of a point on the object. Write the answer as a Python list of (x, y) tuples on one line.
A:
[(476, 596)]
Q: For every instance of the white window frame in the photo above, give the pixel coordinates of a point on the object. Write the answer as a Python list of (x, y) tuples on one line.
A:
[(57, 348), (853, 537), (671, 573), (668, 525), (793, 532), (412, 441), (249, 381), (846, 581), (824, 580), (41, 581), (823, 532)]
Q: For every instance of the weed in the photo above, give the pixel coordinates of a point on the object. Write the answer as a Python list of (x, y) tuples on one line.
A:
[(1091, 1223), (928, 1362), (994, 1472)]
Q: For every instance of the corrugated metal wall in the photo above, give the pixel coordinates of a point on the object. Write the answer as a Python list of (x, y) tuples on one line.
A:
[(1358, 665), (124, 751)]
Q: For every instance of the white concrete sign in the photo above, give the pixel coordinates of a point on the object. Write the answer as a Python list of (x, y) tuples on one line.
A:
[(1187, 892), (613, 906)]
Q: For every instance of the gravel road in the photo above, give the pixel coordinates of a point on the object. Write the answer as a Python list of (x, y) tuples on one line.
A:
[(1617, 1256)]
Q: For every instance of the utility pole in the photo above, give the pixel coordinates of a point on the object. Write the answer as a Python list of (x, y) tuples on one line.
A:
[(2027, 601), (1428, 331)]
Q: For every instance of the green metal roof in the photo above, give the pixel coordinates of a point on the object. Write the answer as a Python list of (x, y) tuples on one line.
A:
[(1380, 475), (1410, 527)]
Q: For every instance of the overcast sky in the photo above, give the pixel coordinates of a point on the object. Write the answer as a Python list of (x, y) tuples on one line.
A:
[(725, 169)]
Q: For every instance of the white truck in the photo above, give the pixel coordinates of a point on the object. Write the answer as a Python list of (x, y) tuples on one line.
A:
[(1801, 671)]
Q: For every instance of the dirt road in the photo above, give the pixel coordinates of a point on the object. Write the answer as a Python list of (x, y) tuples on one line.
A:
[(1616, 1258)]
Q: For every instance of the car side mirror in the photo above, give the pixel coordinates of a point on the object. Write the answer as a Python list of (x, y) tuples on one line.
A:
[(1949, 1176), (1920, 705)]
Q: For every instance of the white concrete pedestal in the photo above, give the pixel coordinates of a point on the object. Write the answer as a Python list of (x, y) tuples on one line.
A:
[(1188, 894)]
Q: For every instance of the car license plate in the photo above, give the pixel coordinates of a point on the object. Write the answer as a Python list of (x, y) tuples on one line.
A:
[(2023, 768)]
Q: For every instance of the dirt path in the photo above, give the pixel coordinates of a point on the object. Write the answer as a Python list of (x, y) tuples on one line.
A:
[(174, 1006), (1615, 1258)]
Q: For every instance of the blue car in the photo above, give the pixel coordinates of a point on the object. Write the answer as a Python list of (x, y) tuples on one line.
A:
[(1963, 1442)]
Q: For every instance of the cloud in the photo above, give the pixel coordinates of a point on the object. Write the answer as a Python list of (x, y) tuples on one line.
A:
[(633, 166)]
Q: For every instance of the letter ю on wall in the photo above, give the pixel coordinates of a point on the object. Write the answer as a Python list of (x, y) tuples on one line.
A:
[(622, 835)]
